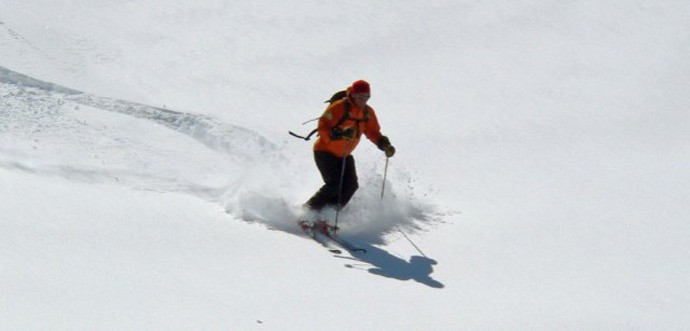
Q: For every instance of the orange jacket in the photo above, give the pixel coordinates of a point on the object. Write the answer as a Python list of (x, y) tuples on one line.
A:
[(356, 120)]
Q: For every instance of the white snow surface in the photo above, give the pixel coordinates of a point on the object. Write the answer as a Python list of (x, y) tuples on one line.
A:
[(147, 180)]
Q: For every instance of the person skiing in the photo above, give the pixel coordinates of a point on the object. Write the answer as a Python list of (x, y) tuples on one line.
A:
[(340, 128)]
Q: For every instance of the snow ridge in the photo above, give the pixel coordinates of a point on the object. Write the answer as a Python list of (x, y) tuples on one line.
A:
[(221, 137)]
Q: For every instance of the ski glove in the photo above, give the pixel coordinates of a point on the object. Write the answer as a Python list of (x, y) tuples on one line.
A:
[(337, 133), (384, 144)]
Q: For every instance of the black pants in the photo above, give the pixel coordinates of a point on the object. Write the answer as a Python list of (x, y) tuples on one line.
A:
[(331, 168)]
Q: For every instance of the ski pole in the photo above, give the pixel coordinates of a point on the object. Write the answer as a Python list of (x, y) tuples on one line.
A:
[(385, 173), (340, 194), (383, 188), (340, 184)]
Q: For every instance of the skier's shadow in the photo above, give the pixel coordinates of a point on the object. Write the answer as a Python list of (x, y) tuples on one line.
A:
[(418, 268)]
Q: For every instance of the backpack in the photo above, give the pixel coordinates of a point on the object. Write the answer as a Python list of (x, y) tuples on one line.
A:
[(335, 97)]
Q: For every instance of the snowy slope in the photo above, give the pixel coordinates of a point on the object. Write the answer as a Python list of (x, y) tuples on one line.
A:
[(147, 180)]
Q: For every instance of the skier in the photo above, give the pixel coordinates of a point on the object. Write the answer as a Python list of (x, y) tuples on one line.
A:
[(340, 128)]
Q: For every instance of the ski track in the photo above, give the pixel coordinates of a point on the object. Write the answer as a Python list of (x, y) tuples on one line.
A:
[(221, 137), (47, 117), (239, 173)]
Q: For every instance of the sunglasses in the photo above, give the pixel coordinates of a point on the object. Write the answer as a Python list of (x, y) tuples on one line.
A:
[(362, 96)]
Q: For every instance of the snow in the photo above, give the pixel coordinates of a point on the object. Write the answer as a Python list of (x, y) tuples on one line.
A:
[(147, 180)]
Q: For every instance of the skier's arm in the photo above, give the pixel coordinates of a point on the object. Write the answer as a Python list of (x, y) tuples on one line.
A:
[(373, 133)]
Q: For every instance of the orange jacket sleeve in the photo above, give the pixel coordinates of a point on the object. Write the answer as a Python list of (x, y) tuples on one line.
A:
[(372, 129)]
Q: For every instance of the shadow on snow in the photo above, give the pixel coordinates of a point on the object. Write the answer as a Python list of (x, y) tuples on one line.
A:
[(382, 263)]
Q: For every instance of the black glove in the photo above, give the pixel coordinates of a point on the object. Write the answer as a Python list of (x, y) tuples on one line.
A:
[(337, 133), (384, 144)]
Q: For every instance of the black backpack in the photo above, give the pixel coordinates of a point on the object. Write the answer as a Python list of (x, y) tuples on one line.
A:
[(336, 96)]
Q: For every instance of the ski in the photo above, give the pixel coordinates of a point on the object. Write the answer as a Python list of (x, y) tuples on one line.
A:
[(318, 236), (329, 231), (344, 243)]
